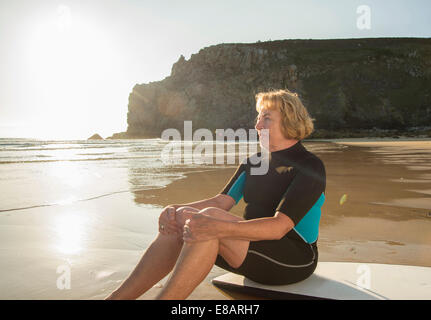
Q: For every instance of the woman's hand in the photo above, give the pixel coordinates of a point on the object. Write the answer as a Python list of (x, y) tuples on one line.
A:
[(167, 221), (200, 227)]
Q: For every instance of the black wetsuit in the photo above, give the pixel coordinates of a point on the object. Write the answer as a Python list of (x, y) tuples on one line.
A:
[(294, 185)]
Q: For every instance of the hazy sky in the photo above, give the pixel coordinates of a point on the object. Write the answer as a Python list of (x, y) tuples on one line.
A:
[(67, 67)]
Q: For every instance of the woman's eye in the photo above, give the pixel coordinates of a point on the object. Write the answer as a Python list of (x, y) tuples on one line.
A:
[(264, 118)]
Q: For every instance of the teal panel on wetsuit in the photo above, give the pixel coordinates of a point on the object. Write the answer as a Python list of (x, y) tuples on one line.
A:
[(236, 190), (308, 227)]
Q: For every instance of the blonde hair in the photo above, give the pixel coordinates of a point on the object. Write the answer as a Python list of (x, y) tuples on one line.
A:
[(296, 123)]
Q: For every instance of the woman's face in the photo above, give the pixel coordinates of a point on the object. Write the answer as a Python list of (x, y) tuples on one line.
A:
[(268, 126)]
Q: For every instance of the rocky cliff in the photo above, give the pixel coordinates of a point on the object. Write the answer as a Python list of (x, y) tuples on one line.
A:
[(347, 85)]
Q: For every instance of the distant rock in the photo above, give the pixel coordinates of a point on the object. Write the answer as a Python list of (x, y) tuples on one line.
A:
[(118, 135), (95, 137)]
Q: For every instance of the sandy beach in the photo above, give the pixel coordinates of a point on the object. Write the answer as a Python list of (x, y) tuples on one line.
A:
[(378, 206), (378, 210), (387, 215)]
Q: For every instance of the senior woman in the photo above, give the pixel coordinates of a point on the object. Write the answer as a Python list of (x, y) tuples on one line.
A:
[(275, 242)]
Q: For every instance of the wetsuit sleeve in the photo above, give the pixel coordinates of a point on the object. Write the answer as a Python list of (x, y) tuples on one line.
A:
[(305, 190), (235, 186)]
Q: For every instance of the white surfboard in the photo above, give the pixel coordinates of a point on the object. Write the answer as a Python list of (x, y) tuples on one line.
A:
[(343, 281)]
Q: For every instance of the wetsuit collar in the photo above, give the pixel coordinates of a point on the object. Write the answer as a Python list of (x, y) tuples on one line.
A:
[(297, 147)]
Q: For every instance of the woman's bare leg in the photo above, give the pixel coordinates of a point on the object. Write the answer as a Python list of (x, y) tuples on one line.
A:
[(157, 261), (194, 264), (197, 259), (160, 258)]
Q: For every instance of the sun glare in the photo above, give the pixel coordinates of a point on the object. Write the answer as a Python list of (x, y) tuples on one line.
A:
[(70, 230), (71, 61), (68, 173), (64, 17)]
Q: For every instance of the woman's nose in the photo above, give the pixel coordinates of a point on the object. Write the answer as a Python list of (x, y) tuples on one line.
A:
[(258, 125)]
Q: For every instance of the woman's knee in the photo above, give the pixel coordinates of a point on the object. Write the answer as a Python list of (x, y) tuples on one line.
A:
[(210, 210), (184, 213), (186, 208), (220, 214)]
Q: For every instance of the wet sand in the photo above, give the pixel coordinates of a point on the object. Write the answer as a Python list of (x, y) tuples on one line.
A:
[(378, 205), (377, 210), (80, 251), (387, 215)]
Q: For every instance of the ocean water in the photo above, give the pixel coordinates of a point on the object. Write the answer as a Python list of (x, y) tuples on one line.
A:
[(36, 173)]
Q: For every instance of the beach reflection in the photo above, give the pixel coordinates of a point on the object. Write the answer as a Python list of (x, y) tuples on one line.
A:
[(70, 230), (68, 173)]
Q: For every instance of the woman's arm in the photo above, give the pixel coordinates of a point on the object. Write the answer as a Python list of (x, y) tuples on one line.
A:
[(202, 227), (268, 228), (221, 201), (167, 219)]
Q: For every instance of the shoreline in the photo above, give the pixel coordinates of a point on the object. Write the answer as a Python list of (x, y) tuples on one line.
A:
[(315, 139)]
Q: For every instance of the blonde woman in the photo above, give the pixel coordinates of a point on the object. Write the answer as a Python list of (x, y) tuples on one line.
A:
[(275, 242)]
